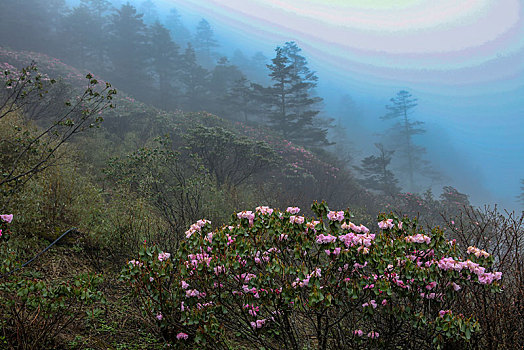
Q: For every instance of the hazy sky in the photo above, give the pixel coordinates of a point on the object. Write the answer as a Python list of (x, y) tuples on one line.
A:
[(463, 59)]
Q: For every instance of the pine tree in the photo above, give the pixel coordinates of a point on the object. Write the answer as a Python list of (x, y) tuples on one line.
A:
[(223, 78), (400, 110), (164, 63), (452, 197), (30, 24), (205, 42), (375, 172), (179, 32), (82, 33), (148, 9), (127, 51), (240, 100), (521, 196), (291, 101), (194, 79)]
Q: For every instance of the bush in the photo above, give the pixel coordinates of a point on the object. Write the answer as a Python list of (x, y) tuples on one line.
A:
[(34, 311), (276, 280)]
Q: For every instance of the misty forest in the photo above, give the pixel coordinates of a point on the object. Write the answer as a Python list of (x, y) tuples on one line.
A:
[(261, 174)]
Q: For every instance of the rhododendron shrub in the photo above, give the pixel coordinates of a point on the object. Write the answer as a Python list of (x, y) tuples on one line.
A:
[(277, 279)]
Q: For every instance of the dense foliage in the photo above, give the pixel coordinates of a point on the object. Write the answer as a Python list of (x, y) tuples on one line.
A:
[(281, 280)]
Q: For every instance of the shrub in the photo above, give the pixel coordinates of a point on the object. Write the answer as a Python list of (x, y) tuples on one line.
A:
[(276, 280), (34, 311)]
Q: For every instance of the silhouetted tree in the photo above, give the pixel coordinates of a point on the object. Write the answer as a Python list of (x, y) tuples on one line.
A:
[(179, 32), (83, 32), (204, 41), (291, 100), (375, 172), (400, 110), (452, 196), (165, 60), (127, 51), (222, 79), (240, 100), (521, 196), (148, 9), (30, 24), (194, 79)]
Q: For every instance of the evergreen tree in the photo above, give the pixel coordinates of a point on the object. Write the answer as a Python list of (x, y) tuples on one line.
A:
[(194, 79), (30, 24), (222, 79), (375, 172), (164, 63), (127, 51), (148, 9), (239, 100), (82, 33), (400, 109), (452, 197), (342, 146), (179, 32), (98, 7), (521, 196), (240, 60), (292, 106), (205, 42)]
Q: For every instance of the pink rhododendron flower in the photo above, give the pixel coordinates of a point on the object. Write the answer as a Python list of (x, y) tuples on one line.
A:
[(477, 252), (455, 286), (431, 285), (418, 238), (336, 215), (363, 229), (258, 323), (264, 210), (442, 313), (293, 210), (373, 335), (7, 218), (181, 336), (386, 224), (159, 317), (163, 256), (358, 332), (247, 215), (296, 219), (321, 238)]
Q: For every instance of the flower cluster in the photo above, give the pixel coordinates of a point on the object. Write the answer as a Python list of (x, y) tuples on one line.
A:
[(7, 218), (247, 215), (197, 227), (478, 252), (386, 224), (264, 210), (418, 238), (448, 263), (336, 216), (163, 256)]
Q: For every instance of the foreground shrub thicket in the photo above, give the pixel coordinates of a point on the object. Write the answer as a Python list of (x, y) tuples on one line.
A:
[(279, 280), (35, 311)]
